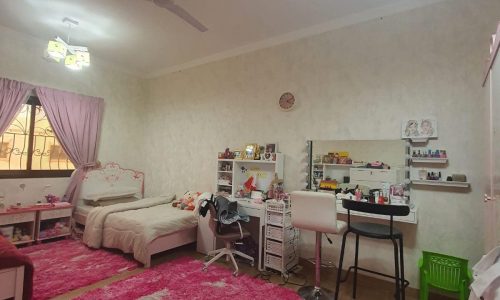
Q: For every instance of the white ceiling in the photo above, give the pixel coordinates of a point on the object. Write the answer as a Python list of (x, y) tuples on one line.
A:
[(148, 40)]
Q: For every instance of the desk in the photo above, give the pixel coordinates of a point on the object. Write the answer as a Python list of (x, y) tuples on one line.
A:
[(247, 207), (206, 240)]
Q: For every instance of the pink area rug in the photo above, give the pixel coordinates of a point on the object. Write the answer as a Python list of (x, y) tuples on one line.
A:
[(184, 279), (66, 265)]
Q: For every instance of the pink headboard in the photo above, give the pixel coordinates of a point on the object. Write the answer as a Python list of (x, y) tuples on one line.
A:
[(112, 175)]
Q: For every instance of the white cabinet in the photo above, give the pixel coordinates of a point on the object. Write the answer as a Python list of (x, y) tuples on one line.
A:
[(281, 245), (375, 177)]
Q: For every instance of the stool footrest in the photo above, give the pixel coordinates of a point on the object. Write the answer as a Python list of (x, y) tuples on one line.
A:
[(406, 282)]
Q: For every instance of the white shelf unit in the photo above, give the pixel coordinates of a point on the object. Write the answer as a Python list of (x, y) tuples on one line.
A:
[(233, 173), (281, 238), (440, 163)]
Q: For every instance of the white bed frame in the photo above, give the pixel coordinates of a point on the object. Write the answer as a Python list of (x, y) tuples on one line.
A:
[(112, 175), (11, 283)]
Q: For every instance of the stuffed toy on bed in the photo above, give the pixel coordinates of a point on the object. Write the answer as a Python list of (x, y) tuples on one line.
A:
[(187, 202)]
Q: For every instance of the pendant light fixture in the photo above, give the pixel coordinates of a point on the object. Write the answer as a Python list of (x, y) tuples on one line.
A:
[(74, 57)]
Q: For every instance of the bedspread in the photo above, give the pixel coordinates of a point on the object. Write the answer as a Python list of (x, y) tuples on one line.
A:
[(130, 227)]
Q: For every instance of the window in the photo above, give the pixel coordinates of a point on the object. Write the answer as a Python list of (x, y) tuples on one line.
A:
[(29, 148)]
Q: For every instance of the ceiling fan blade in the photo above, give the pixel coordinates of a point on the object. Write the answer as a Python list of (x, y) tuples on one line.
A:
[(181, 13)]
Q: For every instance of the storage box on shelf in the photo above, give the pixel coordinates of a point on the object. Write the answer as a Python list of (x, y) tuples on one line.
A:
[(281, 245)]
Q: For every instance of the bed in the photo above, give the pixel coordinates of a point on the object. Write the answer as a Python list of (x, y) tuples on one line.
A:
[(143, 227)]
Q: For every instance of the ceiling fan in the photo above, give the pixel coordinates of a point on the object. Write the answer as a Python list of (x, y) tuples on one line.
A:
[(181, 13)]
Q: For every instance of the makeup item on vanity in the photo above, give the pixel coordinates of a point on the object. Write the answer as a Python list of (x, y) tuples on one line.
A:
[(358, 194), (449, 178), (459, 177), (347, 179)]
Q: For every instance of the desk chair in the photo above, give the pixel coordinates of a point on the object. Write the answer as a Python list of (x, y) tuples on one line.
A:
[(317, 212), (228, 234), (376, 231)]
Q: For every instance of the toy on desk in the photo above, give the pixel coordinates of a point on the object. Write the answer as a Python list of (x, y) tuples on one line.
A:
[(250, 185), (276, 188)]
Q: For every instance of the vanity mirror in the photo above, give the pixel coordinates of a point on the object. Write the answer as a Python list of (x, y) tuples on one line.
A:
[(374, 164)]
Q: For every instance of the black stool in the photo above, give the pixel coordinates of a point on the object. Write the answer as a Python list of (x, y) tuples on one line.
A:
[(376, 231)]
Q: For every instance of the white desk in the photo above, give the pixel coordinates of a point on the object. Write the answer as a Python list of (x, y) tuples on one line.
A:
[(251, 209), (206, 240)]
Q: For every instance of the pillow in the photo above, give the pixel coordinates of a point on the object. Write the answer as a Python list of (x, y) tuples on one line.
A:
[(112, 193), (110, 201), (187, 202)]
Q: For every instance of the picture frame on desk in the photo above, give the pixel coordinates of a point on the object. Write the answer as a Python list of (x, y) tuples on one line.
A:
[(268, 156), (271, 148), (250, 151), (238, 154)]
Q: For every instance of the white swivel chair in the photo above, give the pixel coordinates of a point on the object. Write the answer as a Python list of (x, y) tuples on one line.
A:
[(316, 212)]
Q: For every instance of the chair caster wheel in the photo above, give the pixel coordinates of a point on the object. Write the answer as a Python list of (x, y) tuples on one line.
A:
[(252, 264), (204, 269), (235, 273)]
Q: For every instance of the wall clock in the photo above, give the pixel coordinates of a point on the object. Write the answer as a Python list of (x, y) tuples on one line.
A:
[(287, 101)]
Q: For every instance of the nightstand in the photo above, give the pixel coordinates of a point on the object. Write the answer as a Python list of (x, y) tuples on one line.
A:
[(53, 222), (19, 223)]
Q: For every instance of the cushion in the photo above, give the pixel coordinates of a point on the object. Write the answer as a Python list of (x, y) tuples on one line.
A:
[(112, 193), (110, 201)]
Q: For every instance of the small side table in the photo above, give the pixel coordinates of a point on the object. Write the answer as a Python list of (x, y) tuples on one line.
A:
[(19, 219), (53, 222)]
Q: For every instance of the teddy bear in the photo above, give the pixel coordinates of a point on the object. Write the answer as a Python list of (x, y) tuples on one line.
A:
[(18, 234), (187, 202)]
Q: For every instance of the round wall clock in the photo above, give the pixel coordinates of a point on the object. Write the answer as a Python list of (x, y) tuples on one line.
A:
[(287, 101)]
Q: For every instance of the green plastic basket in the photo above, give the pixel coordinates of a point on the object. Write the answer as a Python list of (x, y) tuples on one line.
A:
[(444, 272)]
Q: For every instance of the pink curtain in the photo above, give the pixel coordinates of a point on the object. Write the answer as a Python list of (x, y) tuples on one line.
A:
[(12, 96), (76, 120)]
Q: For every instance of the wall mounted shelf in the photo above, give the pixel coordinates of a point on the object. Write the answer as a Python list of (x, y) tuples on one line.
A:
[(455, 184), (429, 160), (341, 165)]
